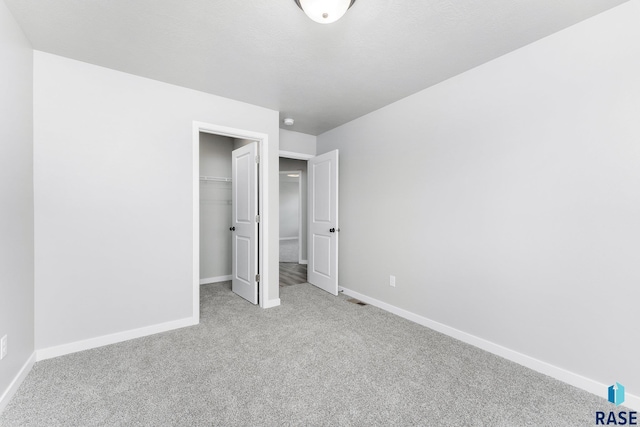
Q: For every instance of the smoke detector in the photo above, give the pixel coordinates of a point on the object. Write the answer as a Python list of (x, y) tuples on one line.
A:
[(288, 121)]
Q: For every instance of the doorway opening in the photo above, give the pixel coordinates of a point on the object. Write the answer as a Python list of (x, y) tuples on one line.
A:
[(219, 154), (290, 216), (293, 222), (215, 207), (319, 221)]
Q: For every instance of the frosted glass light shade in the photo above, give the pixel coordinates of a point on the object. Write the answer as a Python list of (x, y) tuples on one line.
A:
[(325, 11)]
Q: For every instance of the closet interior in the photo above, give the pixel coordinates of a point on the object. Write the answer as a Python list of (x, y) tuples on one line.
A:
[(215, 206)]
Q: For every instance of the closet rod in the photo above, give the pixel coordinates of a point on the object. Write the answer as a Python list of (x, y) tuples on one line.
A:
[(215, 178)]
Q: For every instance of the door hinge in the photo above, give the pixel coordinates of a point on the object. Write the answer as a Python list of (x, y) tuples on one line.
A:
[(257, 218), (258, 158), (257, 277)]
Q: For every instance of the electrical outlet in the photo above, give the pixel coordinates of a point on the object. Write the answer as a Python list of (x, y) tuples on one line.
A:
[(3, 347), (392, 281)]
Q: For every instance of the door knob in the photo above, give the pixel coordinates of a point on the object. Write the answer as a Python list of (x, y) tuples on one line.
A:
[(232, 228), (332, 230)]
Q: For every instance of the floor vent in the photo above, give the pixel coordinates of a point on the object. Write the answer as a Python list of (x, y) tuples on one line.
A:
[(356, 301)]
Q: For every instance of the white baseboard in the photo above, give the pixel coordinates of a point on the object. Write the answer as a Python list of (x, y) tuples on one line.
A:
[(271, 303), (216, 279), (632, 401), (74, 347), (576, 380), (303, 261), (15, 384), (288, 238)]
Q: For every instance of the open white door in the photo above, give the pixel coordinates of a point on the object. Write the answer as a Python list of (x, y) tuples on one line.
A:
[(323, 227), (244, 217)]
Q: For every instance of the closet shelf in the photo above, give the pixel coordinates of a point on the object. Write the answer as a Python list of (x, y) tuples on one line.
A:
[(215, 178), (215, 202)]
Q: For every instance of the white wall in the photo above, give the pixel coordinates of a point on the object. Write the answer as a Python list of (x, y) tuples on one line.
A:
[(506, 200), (301, 165), (16, 194), (113, 197), (297, 142), (237, 142), (215, 206)]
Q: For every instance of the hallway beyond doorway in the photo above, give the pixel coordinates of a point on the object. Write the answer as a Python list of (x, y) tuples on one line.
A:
[(292, 273)]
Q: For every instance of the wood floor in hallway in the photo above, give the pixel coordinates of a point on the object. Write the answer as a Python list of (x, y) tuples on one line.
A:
[(292, 273)]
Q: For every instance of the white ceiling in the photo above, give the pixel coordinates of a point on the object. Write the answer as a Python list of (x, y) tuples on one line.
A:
[(268, 53)]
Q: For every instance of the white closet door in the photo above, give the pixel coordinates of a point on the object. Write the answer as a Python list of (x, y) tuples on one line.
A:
[(323, 226), (244, 174)]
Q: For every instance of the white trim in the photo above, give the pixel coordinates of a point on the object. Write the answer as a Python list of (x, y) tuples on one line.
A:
[(294, 155), (304, 261), (271, 303), (263, 203), (288, 238), (300, 216), (217, 279), (631, 401), (556, 372), (195, 159), (17, 381), (74, 347)]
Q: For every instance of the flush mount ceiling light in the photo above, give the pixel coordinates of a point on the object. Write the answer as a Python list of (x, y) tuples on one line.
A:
[(293, 175), (325, 11)]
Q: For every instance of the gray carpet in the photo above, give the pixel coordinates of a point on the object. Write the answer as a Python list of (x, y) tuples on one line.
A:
[(317, 360), (289, 251)]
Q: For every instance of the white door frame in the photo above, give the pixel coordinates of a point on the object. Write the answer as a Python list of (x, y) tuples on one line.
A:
[(263, 201), (299, 172), (294, 155)]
